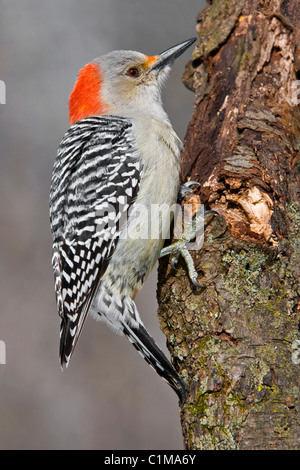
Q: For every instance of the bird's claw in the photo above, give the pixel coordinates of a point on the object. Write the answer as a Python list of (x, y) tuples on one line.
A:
[(174, 261), (210, 212), (196, 283), (186, 189)]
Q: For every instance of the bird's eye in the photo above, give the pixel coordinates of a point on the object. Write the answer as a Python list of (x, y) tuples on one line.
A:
[(133, 72)]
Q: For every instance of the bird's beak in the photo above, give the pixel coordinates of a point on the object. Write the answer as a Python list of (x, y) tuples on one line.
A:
[(167, 57)]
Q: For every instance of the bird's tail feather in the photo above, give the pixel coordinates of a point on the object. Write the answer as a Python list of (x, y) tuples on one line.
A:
[(152, 354), (121, 314)]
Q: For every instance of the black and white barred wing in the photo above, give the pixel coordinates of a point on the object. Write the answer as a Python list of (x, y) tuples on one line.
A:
[(95, 179)]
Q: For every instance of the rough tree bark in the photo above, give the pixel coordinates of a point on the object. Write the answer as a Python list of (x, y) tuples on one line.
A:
[(236, 342)]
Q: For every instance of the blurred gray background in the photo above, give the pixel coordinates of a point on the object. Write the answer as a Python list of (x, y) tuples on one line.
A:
[(108, 398)]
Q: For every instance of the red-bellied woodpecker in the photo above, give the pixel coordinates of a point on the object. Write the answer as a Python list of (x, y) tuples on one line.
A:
[(119, 153)]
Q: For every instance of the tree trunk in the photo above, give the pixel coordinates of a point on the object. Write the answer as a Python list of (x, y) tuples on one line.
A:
[(236, 342)]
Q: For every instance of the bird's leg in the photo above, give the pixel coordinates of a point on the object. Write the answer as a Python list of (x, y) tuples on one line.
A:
[(191, 227)]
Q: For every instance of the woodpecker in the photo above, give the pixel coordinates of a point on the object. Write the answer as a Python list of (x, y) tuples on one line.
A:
[(120, 153)]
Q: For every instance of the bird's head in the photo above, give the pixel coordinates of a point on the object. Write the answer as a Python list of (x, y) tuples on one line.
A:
[(122, 83)]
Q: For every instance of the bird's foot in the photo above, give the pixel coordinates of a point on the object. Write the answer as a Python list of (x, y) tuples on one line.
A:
[(180, 247), (191, 227)]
